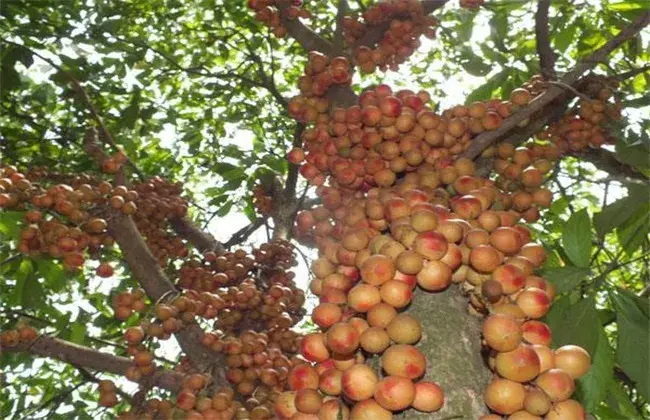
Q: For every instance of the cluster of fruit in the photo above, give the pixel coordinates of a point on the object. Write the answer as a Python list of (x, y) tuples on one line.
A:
[(406, 23), (587, 125), (272, 12), (262, 202), (22, 333), (321, 73), (67, 220), (107, 393)]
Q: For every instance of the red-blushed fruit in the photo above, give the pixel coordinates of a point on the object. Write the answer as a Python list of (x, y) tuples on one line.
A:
[(504, 396), (377, 270), (431, 245), (429, 397), (556, 383), (104, 270), (537, 402), (395, 393), (534, 302), (484, 258), (404, 329), (404, 360), (546, 358), (374, 340), (520, 365), (313, 348), (506, 240), (536, 332), (574, 360), (326, 315), (502, 332), (363, 296), (566, 410), (396, 293), (333, 410), (434, 276), (285, 405), (369, 410), (331, 382), (134, 335), (308, 401), (342, 338), (186, 400), (510, 277), (381, 315), (301, 377), (359, 382)]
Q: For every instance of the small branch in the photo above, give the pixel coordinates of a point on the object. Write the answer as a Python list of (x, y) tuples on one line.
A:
[(201, 240), (242, 234), (306, 37), (92, 359), (632, 73), (486, 139), (92, 378), (544, 50), (339, 39)]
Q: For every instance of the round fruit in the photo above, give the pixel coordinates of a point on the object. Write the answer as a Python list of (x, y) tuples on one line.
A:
[(395, 393), (573, 360), (504, 396), (404, 360), (429, 397), (404, 329)]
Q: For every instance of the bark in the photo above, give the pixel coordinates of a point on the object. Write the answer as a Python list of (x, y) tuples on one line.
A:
[(201, 240), (95, 360), (450, 341)]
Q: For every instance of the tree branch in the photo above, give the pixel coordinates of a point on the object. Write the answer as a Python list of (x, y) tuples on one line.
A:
[(145, 268), (86, 357), (544, 50), (242, 234), (339, 39), (201, 240), (306, 37), (486, 139), (631, 73)]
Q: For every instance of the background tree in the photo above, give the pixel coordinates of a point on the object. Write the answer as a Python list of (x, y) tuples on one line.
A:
[(201, 93)]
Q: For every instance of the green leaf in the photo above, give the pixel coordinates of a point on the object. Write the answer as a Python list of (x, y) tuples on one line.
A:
[(564, 38), (11, 223), (576, 238), (566, 278), (634, 231), (593, 386), (633, 343), (33, 294), (52, 272), (490, 86), (621, 210), (618, 399), (24, 272), (77, 332), (574, 324)]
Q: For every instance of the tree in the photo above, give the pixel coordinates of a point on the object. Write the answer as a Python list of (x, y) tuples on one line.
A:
[(107, 108)]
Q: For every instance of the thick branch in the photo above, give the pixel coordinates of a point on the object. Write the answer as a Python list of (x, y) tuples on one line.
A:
[(486, 139), (544, 50), (201, 240), (306, 37), (374, 35), (92, 359), (338, 32), (146, 270), (631, 73)]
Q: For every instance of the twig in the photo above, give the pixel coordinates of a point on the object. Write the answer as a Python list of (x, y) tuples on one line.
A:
[(242, 234), (544, 50), (568, 87), (631, 73)]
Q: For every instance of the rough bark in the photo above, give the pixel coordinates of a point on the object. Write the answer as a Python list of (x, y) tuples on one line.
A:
[(95, 360), (450, 341)]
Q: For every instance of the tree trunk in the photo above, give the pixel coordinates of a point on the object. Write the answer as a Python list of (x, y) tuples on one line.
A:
[(451, 343)]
